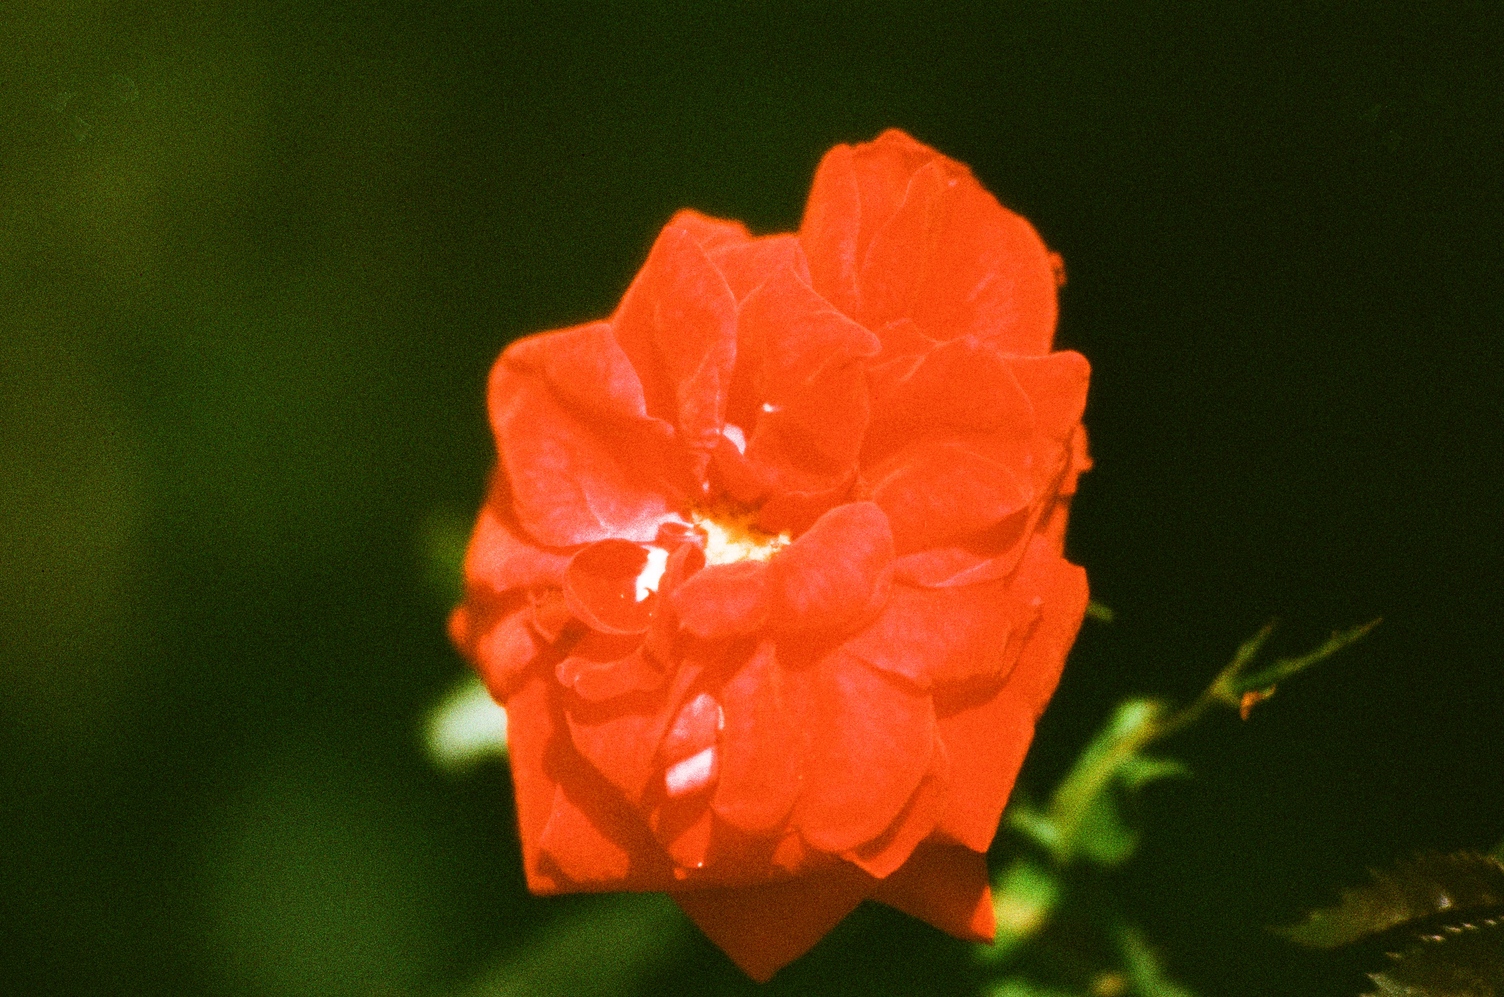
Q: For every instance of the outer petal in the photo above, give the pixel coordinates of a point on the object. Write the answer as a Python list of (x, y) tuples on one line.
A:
[(873, 739), (959, 264), (710, 234), (577, 846), (748, 265), (764, 928), (881, 856), (573, 483), (933, 492), (677, 324), (855, 192), (760, 748), (586, 369), (502, 558), (988, 733), (504, 650), (836, 572), (946, 886), (943, 635), (1056, 386)]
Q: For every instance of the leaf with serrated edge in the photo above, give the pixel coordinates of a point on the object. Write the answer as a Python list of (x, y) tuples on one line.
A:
[(1461, 960), (1422, 888)]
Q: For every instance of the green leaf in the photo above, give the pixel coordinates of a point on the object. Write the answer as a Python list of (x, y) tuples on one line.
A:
[(1099, 612), (1146, 977), (1461, 960), (1017, 986), (466, 727), (1084, 817), (1430, 885), (1024, 897)]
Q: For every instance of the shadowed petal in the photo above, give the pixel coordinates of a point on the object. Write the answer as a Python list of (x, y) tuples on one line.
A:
[(931, 636), (936, 491), (760, 748), (881, 856), (988, 733), (765, 927), (946, 886)]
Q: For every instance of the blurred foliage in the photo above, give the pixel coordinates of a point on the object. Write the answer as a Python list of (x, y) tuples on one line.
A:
[(466, 727)]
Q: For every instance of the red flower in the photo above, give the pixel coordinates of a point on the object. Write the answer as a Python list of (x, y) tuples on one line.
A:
[(770, 577)]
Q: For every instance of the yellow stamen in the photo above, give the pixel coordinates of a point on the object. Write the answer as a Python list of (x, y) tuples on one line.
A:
[(730, 536)]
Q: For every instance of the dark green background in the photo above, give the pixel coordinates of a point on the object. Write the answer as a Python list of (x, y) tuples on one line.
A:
[(255, 261)]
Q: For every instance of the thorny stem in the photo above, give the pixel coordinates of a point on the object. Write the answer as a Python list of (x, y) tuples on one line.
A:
[(1232, 684)]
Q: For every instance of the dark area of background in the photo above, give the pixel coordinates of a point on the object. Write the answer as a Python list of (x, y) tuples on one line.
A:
[(256, 259)]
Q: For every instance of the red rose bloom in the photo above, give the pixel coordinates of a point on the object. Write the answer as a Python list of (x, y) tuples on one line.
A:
[(770, 577)]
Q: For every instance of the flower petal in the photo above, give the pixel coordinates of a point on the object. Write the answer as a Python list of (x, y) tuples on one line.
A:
[(856, 190), (767, 926), (502, 558), (586, 369), (944, 635), (600, 680), (723, 600), (946, 886), (987, 733), (884, 854), (576, 845), (760, 748), (872, 744), (959, 264), (962, 386), (677, 324), (747, 265), (620, 737), (503, 652), (938, 491), (800, 363), (601, 587), (711, 234), (836, 572), (571, 483), (1056, 386)]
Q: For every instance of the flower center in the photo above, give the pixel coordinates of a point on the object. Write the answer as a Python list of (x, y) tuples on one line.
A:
[(730, 536)]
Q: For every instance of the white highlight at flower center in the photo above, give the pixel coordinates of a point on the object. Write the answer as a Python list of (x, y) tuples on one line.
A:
[(736, 435), (732, 538), (652, 572), (691, 775)]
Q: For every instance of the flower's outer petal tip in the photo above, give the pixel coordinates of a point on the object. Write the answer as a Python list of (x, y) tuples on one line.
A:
[(765, 927), (945, 886)]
